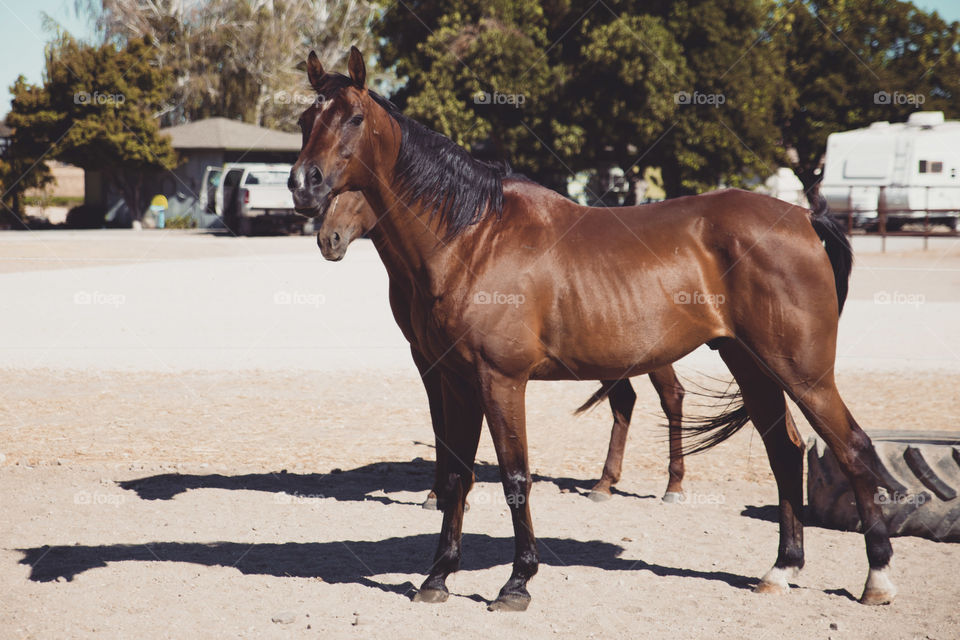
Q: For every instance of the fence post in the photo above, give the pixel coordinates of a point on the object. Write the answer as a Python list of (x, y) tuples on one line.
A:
[(882, 220)]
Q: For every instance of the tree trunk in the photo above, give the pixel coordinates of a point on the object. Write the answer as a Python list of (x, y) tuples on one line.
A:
[(672, 182), (131, 187)]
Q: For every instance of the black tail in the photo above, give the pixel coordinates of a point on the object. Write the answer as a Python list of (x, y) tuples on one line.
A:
[(836, 242), (598, 396), (709, 431)]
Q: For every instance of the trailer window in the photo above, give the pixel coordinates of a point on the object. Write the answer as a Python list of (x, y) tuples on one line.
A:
[(926, 166)]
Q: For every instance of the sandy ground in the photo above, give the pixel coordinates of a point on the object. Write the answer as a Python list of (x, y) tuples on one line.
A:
[(209, 437)]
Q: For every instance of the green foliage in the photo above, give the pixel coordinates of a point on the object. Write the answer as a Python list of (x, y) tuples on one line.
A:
[(22, 166), (481, 76), (181, 222), (600, 88), (713, 92), (96, 111), (710, 91), (52, 201), (840, 54)]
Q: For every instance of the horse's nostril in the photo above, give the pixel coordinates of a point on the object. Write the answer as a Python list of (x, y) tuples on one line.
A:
[(336, 237), (316, 175), (291, 182)]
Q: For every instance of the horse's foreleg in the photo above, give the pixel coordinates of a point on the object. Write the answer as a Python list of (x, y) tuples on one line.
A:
[(431, 378), (671, 400), (504, 407), (622, 397), (463, 418)]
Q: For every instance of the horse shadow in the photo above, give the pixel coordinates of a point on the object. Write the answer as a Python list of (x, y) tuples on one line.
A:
[(351, 485), (771, 513), (345, 561)]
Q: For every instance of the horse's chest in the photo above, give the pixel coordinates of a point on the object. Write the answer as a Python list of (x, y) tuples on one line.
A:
[(434, 325)]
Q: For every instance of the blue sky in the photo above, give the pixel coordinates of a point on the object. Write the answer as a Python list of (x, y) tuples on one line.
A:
[(22, 35), (22, 38)]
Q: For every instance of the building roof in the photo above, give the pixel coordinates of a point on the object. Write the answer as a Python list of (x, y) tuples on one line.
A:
[(222, 133)]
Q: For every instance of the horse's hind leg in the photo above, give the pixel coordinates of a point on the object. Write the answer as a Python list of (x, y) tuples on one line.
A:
[(671, 400), (622, 398), (767, 407), (831, 419), (808, 377)]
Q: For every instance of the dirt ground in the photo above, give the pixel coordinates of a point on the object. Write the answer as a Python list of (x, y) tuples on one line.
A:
[(163, 479)]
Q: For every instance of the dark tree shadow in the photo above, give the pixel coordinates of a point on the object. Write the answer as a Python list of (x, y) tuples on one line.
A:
[(353, 485), (346, 561)]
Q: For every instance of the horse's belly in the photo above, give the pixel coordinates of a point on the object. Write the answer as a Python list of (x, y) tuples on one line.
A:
[(596, 359), (592, 341)]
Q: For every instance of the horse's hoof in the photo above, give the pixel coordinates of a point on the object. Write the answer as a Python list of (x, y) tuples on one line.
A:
[(599, 496), (510, 602), (672, 497), (875, 597), (879, 588), (776, 580), (771, 587), (431, 595)]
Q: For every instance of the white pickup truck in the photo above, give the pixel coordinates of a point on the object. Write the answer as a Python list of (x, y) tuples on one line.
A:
[(252, 197)]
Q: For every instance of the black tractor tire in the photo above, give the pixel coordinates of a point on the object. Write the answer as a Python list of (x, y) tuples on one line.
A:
[(921, 471)]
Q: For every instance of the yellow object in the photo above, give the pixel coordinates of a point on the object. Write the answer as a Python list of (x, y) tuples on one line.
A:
[(159, 201)]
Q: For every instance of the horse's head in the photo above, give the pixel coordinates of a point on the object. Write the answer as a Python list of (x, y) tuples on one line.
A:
[(337, 153), (349, 218)]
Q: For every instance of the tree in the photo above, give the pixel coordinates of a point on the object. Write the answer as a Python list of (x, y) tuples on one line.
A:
[(238, 59), (481, 75), (854, 63), (21, 165), (605, 88), (97, 109)]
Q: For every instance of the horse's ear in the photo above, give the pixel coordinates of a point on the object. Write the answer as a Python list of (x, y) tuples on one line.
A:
[(314, 70), (358, 70)]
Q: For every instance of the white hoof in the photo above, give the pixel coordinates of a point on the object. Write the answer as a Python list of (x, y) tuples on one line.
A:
[(672, 497), (879, 588), (777, 580)]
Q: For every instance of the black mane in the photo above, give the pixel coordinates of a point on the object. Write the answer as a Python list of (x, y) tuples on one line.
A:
[(443, 177)]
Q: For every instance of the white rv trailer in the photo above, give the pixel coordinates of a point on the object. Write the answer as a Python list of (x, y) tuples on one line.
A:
[(906, 168)]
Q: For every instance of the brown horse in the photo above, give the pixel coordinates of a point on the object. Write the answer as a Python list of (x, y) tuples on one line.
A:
[(350, 217), (515, 282)]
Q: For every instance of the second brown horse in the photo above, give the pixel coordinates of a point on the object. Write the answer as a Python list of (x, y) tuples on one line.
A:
[(350, 217)]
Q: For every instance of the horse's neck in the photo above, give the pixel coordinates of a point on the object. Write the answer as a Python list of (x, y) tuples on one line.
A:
[(408, 241), (397, 270)]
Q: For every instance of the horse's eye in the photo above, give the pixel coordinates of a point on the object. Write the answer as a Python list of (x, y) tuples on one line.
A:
[(356, 120)]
